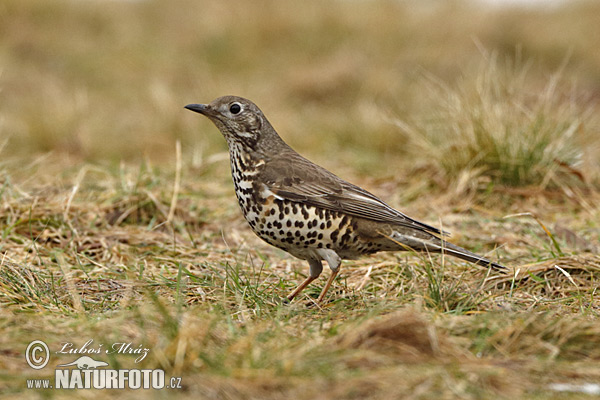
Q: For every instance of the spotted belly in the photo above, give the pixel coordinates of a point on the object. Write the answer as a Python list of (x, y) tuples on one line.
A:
[(300, 229)]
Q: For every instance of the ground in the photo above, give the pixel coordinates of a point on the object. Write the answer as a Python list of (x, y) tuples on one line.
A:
[(119, 222)]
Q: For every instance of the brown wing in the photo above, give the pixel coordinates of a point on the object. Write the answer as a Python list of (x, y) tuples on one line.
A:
[(295, 178)]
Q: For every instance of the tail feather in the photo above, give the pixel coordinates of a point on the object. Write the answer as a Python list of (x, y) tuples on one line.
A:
[(437, 245), (456, 251)]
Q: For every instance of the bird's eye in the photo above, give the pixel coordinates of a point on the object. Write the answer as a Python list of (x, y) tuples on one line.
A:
[(235, 108)]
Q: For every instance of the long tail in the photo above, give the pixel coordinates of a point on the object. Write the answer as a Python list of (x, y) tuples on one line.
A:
[(436, 245), (456, 251)]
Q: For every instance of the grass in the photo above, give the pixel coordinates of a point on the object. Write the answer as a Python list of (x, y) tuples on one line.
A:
[(499, 127), (206, 298), (118, 221)]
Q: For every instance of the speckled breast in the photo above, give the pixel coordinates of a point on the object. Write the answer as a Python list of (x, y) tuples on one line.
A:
[(293, 226)]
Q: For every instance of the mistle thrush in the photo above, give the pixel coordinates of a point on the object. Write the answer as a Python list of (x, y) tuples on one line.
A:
[(300, 207)]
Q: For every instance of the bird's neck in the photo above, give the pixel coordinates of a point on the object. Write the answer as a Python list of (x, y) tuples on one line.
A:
[(244, 162)]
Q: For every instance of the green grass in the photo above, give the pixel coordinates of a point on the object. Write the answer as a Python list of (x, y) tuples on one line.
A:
[(480, 120)]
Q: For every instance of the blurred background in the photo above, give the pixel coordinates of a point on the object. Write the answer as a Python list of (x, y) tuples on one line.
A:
[(480, 117), (354, 83)]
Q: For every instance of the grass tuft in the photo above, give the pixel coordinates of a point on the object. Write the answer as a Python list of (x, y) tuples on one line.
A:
[(501, 126)]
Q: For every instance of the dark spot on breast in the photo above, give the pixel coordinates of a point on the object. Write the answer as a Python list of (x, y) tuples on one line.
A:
[(304, 213), (344, 221), (345, 237), (334, 236)]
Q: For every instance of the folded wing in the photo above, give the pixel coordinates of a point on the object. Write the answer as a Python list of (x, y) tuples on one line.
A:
[(304, 182)]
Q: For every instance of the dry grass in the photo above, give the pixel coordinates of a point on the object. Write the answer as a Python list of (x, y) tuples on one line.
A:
[(499, 126), (93, 256), (152, 248)]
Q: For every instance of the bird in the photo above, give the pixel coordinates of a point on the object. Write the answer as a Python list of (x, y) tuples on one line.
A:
[(302, 208)]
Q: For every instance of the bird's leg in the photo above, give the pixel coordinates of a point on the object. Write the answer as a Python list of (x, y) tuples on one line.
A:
[(328, 284), (316, 266), (334, 261), (300, 288)]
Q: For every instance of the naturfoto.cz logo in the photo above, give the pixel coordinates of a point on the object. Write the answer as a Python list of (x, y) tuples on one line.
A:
[(88, 372)]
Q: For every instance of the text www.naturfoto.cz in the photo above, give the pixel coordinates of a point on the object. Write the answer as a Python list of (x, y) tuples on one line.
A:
[(106, 379), (38, 383)]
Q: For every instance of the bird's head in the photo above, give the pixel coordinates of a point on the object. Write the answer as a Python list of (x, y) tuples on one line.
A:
[(237, 118)]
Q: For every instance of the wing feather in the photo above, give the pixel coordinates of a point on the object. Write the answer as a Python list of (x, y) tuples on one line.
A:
[(296, 179)]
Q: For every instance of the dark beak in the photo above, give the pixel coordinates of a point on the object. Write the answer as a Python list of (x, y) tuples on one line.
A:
[(203, 109)]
